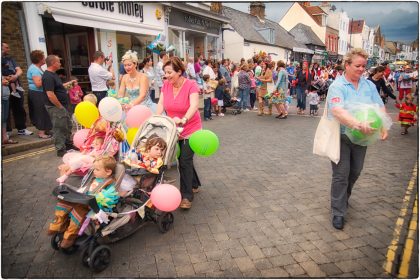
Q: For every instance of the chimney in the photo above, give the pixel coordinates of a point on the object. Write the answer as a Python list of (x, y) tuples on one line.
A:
[(257, 9), (305, 4)]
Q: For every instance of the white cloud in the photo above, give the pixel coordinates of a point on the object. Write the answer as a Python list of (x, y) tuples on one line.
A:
[(389, 15)]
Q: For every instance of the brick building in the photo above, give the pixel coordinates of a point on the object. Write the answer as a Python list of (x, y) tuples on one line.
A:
[(11, 33)]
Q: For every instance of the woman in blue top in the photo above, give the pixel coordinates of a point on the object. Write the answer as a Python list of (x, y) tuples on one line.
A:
[(349, 88), (135, 85), (279, 95), (36, 101)]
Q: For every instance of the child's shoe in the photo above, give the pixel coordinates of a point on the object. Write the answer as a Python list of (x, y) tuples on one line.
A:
[(19, 88), (15, 94), (51, 232), (62, 179), (67, 243)]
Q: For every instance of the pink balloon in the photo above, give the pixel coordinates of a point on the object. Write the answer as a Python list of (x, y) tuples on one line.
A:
[(80, 137), (137, 115), (166, 197)]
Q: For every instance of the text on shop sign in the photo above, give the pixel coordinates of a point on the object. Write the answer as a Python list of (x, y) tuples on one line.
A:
[(194, 20), (126, 8)]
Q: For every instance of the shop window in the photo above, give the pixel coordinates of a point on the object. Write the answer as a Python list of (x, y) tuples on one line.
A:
[(211, 47), (134, 42), (175, 39)]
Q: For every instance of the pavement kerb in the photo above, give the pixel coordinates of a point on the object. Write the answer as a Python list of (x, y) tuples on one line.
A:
[(25, 143), (394, 256)]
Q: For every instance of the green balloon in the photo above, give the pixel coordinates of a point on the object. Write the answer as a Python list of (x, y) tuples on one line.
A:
[(204, 142), (366, 116)]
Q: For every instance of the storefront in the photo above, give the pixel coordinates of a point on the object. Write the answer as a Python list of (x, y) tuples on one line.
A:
[(192, 33), (302, 54), (75, 30)]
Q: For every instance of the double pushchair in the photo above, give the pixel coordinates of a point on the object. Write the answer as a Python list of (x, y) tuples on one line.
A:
[(134, 210)]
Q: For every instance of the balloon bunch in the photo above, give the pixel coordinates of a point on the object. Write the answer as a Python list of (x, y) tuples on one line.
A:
[(109, 109), (158, 45)]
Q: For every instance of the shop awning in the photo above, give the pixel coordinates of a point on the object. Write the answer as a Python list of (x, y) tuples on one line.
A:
[(303, 50), (100, 22)]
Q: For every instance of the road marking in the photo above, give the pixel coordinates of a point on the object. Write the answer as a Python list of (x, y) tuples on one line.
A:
[(29, 155), (393, 247), (409, 243)]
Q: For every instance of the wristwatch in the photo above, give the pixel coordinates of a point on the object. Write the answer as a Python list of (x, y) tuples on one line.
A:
[(184, 120)]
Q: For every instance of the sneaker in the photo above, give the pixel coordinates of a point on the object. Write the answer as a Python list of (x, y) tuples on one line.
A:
[(221, 115), (24, 132), (19, 88), (255, 108), (213, 114), (246, 110), (15, 94)]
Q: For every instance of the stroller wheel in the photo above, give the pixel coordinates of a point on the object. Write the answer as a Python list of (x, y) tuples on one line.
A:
[(55, 241), (165, 221), (70, 251), (100, 258), (84, 255)]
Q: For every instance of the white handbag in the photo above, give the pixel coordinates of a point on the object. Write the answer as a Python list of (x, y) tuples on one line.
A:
[(327, 138)]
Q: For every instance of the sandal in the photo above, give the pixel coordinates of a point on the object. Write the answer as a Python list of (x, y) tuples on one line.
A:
[(10, 141), (45, 136)]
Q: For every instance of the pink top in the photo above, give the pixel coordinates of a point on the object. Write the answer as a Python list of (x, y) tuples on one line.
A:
[(75, 94), (178, 106)]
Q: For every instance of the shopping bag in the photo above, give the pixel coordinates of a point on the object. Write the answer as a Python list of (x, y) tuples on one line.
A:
[(327, 138)]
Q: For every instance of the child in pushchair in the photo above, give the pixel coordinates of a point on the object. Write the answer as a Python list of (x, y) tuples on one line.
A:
[(100, 140), (133, 209), (230, 104), (147, 156)]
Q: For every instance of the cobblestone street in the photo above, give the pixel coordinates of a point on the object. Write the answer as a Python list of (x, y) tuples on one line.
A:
[(263, 211)]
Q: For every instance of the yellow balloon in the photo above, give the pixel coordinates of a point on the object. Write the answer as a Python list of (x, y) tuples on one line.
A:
[(131, 133), (86, 113)]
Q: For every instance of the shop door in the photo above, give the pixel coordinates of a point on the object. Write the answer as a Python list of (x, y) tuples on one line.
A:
[(78, 57)]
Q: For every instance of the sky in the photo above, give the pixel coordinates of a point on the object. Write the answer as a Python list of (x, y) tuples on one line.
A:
[(399, 21)]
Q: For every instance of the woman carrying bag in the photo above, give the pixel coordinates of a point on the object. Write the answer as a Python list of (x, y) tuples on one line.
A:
[(350, 88)]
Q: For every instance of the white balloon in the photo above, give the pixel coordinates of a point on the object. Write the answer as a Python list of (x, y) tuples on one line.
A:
[(110, 109)]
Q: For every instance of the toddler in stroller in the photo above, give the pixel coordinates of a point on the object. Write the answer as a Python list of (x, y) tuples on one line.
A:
[(100, 140), (69, 215), (230, 104), (147, 156), (133, 209)]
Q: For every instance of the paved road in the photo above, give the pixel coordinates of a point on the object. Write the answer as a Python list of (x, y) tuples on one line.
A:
[(263, 211)]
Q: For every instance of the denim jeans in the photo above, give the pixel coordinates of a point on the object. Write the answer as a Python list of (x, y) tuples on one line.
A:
[(207, 108), (301, 98), (244, 96), (252, 97)]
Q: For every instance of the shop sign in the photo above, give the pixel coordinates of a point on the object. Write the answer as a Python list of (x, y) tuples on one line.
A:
[(132, 9), (193, 22)]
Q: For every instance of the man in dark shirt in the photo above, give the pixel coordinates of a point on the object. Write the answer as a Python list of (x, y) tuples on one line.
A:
[(57, 104)]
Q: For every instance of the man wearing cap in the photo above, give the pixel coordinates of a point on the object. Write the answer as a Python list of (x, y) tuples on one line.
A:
[(405, 82), (99, 75)]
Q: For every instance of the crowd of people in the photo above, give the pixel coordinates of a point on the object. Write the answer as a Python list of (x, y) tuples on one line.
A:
[(221, 83)]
